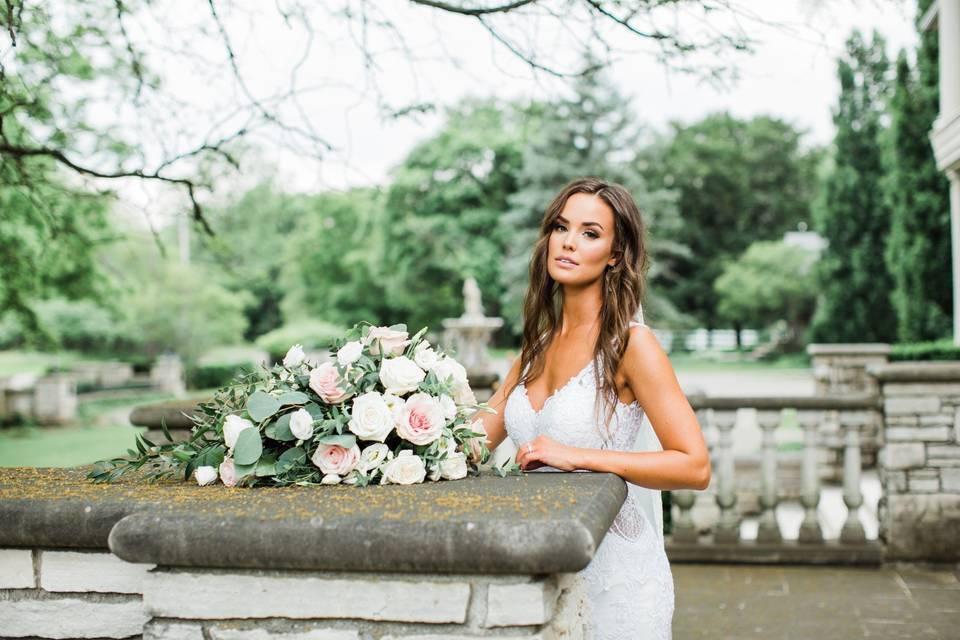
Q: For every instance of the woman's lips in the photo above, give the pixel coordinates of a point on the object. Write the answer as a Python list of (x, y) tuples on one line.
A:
[(566, 263)]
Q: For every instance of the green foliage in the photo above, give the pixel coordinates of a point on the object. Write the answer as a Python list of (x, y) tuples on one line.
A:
[(918, 247), (853, 216), (932, 350), (771, 281), (444, 204), (312, 334), (181, 308), (333, 262), (209, 376), (737, 182)]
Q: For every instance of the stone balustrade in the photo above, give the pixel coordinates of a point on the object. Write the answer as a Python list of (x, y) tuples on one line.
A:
[(480, 557), (723, 540)]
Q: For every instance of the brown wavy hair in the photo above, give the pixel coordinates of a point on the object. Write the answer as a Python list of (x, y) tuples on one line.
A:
[(624, 285)]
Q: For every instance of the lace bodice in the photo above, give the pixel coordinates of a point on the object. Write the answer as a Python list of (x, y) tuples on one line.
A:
[(629, 577)]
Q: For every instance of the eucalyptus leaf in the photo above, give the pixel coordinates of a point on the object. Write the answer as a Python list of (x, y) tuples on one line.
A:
[(314, 410), (293, 397), (290, 458), (243, 470), (345, 441), (266, 465), (279, 429), (248, 448), (262, 405)]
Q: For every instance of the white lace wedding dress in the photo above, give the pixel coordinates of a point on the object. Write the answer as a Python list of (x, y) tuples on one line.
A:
[(629, 579)]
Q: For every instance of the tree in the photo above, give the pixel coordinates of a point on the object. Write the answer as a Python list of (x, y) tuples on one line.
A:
[(737, 181), (770, 282), (332, 260), (917, 194), (444, 206), (590, 132), (62, 69), (853, 216)]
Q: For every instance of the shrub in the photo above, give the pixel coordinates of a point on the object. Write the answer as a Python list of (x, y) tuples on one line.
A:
[(211, 376), (935, 350), (312, 334)]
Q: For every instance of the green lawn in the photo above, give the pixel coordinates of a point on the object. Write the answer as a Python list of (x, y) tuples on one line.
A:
[(68, 446), (12, 362)]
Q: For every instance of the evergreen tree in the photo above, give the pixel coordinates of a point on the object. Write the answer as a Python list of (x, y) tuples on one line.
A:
[(918, 194), (589, 133), (853, 215)]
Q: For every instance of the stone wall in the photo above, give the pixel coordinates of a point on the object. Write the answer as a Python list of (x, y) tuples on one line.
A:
[(920, 460), (473, 558)]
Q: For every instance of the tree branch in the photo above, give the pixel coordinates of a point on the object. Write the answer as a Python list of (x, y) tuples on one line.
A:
[(474, 11)]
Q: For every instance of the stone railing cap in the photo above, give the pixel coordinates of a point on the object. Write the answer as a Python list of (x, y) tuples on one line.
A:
[(535, 523), (849, 401), (173, 413), (916, 371), (845, 349)]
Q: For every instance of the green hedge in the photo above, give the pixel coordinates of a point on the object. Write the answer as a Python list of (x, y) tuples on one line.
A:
[(210, 376), (937, 350), (312, 334)]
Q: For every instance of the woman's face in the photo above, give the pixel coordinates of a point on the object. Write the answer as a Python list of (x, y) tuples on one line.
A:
[(581, 241)]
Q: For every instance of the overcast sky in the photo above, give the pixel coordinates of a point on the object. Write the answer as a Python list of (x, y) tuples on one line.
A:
[(791, 74)]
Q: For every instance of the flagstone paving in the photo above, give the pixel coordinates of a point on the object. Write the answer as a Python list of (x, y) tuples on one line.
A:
[(825, 603)]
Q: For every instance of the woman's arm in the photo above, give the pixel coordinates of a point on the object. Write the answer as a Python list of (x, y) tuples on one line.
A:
[(684, 462), (493, 422)]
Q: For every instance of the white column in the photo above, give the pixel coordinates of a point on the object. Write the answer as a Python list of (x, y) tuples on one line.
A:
[(955, 243), (948, 22)]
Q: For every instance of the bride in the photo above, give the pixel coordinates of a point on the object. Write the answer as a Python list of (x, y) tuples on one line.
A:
[(575, 398)]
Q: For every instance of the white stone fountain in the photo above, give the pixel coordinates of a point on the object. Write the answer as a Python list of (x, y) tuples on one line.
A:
[(470, 334)]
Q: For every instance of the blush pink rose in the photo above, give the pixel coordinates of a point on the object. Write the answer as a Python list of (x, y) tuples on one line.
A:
[(332, 458), (326, 382), (420, 420), (228, 473)]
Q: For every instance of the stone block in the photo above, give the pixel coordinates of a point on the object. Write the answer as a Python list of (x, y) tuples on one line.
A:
[(950, 480), (905, 455), (16, 569), (921, 389), (530, 603), (924, 485), (911, 404), (943, 451), (922, 527), (448, 636), (172, 631), (895, 481), (71, 617), (902, 421), (254, 594), (938, 419), (219, 633), (72, 571)]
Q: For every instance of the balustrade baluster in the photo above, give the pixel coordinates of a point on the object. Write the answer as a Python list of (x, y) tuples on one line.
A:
[(810, 531), (768, 530), (851, 423), (728, 525)]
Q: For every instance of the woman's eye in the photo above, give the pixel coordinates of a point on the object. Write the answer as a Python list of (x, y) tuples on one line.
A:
[(558, 227), (592, 234)]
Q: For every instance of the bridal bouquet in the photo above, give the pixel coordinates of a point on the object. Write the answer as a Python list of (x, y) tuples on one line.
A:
[(387, 408)]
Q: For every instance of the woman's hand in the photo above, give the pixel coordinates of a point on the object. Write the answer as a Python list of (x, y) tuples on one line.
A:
[(544, 451)]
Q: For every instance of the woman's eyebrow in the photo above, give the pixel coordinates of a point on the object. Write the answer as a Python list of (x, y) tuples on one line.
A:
[(583, 224)]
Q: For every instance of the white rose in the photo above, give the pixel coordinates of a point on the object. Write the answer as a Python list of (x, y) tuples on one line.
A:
[(425, 356), (372, 457), (351, 478), (332, 458), (205, 475), (454, 466), (349, 353), (393, 342), (463, 394), (330, 478), (434, 474), (449, 408), (371, 418), (406, 468), (420, 419), (294, 357), (301, 424), (400, 375), (232, 427), (392, 401), (449, 368), (447, 444)]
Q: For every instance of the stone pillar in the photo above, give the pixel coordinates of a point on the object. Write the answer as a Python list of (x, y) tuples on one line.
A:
[(841, 368), (955, 235), (55, 399), (167, 375), (920, 460)]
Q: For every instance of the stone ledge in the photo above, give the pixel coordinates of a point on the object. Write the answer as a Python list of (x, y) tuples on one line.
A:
[(171, 413), (830, 552), (916, 371), (39, 615), (849, 401), (535, 523), (16, 569), (847, 349), (75, 571)]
